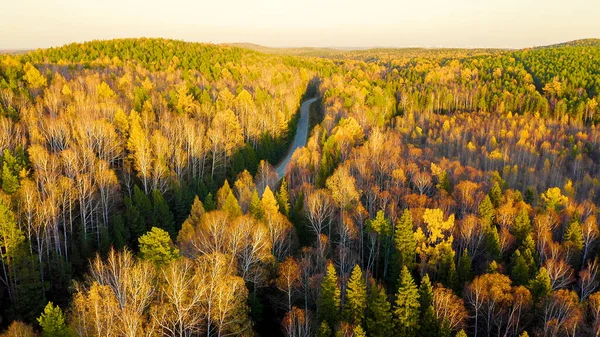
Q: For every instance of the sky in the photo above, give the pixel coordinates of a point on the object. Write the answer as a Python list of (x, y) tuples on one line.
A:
[(27, 24)]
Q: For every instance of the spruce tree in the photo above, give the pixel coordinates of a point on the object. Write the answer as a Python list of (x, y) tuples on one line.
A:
[(520, 270), (404, 240), (496, 194), (53, 323), (428, 326), (358, 332), (255, 206), (486, 212), (209, 203), (465, 270), (541, 285), (328, 303), (522, 226), (379, 321), (163, 218), (157, 246), (461, 333), (324, 330), (231, 206), (573, 242), (356, 297), (283, 199), (407, 306), (10, 183)]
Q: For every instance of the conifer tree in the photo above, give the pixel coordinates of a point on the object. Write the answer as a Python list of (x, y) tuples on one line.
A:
[(324, 330), (496, 194), (163, 218), (231, 206), (52, 321), (522, 226), (462, 333), (492, 243), (358, 332), (157, 246), (428, 326), (573, 241), (222, 194), (407, 306), (356, 297), (520, 270), (255, 206), (405, 241), (283, 199), (328, 303), (379, 321), (541, 285), (10, 183), (465, 270), (486, 212), (209, 203)]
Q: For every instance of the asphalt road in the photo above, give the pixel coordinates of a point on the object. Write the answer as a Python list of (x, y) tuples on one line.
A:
[(299, 139)]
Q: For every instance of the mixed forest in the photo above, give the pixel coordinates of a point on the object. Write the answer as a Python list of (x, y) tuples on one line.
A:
[(441, 192)]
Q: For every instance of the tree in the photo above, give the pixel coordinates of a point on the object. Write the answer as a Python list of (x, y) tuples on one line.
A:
[(283, 199), (10, 183), (328, 303), (379, 321), (288, 279), (157, 246), (356, 297), (449, 308), (541, 285), (53, 323), (520, 269), (358, 332), (561, 313), (404, 240), (429, 325), (18, 329), (163, 218), (553, 198), (34, 78), (406, 309), (522, 226)]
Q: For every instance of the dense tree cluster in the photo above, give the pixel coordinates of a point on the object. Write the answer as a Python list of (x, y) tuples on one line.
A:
[(440, 192)]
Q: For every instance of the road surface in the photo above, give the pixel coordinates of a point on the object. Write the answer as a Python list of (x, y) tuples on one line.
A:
[(299, 139)]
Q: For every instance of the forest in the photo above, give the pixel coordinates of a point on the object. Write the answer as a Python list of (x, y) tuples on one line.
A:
[(441, 192)]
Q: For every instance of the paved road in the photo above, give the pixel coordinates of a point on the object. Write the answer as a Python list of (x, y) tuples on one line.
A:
[(299, 139)]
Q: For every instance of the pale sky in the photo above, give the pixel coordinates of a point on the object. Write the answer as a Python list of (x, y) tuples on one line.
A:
[(315, 23)]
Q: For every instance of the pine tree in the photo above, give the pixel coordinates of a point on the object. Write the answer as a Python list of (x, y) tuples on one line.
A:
[(358, 332), (541, 285), (324, 330), (520, 270), (522, 226), (465, 270), (486, 212), (53, 323), (196, 212), (157, 246), (462, 333), (379, 321), (143, 204), (163, 218), (209, 203), (328, 303), (573, 241), (255, 206), (404, 240), (492, 243), (135, 222), (356, 297), (283, 199), (428, 326), (407, 306), (119, 234), (496, 194), (10, 183), (231, 206), (222, 194)]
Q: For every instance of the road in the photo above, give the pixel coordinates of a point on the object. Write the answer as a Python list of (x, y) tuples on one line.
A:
[(299, 139)]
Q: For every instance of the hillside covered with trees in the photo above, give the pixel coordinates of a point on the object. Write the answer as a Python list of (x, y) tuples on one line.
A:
[(441, 192)]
